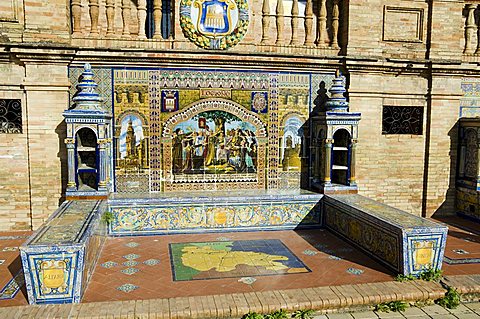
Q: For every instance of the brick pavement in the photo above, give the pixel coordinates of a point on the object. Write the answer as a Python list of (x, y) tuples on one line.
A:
[(359, 297)]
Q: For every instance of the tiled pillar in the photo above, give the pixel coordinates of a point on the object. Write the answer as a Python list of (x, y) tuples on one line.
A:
[(70, 143), (328, 159)]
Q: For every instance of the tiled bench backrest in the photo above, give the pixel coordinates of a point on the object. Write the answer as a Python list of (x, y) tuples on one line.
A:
[(59, 258), (406, 243)]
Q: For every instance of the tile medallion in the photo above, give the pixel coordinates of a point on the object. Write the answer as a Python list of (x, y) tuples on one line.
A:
[(310, 252), (10, 249), (247, 280), (12, 287), (132, 244), (355, 271), (129, 271), (109, 264), (460, 251), (127, 288), (131, 256), (333, 257), (151, 262), (230, 259), (130, 263), (2, 261)]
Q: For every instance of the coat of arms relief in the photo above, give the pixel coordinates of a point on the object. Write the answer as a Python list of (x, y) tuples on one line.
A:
[(214, 24)]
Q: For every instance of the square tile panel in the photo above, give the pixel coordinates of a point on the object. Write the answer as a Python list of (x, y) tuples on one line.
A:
[(228, 259)]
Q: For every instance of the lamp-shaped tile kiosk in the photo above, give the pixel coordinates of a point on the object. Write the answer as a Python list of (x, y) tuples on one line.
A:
[(335, 138), (88, 142)]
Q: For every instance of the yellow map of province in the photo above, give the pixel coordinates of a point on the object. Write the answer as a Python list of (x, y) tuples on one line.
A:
[(205, 258)]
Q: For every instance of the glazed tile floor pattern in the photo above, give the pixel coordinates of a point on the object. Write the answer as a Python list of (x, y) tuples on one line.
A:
[(141, 267)]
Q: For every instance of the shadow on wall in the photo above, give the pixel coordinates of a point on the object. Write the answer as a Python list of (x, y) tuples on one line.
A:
[(310, 142), (61, 131), (447, 208)]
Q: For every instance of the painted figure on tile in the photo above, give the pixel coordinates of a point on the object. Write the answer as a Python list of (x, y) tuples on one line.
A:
[(214, 142), (132, 146), (291, 143)]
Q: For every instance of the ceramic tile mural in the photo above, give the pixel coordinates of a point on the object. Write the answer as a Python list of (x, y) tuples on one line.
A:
[(156, 219), (470, 102), (226, 259), (201, 129)]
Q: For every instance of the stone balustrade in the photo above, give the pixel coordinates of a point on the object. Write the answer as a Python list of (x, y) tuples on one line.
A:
[(284, 26)]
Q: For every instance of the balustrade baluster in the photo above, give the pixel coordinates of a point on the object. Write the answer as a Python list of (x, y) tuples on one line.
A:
[(322, 23), (309, 39), (265, 21), (294, 40), (335, 18), (142, 17), (470, 28), (77, 17), (94, 11), (280, 23), (157, 18), (126, 18), (110, 10)]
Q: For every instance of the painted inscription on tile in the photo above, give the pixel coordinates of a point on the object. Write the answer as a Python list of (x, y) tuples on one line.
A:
[(226, 259)]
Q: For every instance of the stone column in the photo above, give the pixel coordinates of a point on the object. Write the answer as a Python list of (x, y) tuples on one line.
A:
[(157, 19), (70, 144), (322, 24), (294, 40), (265, 21), (126, 18), (77, 17), (142, 17), (470, 28), (335, 18), (328, 161), (309, 38), (94, 11), (110, 8), (353, 151), (280, 23)]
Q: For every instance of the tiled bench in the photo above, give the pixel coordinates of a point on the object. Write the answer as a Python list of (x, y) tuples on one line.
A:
[(406, 243), (220, 211), (59, 258)]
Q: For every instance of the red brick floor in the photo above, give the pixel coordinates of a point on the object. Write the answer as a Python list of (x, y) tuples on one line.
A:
[(331, 260), (10, 265), (463, 246)]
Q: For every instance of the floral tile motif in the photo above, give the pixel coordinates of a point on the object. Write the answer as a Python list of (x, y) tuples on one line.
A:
[(223, 238), (129, 271), (131, 256), (2, 261), (130, 263), (461, 251), (13, 237), (132, 244), (127, 288), (10, 249), (151, 262), (333, 257), (109, 264), (247, 280), (310, 252), (355, 271)]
